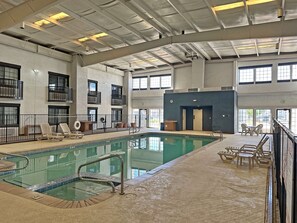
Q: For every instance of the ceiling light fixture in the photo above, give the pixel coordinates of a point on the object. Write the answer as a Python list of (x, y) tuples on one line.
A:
[(252, 47), (58, 16), (239, 4), (95, 36)]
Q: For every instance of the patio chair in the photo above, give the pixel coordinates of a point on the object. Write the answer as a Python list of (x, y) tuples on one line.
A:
[(259, 129), (47, 133), (244, 129), (227, 156), (68, 133)]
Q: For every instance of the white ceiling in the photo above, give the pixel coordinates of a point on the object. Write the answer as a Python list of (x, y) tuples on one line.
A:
[(130, 22)]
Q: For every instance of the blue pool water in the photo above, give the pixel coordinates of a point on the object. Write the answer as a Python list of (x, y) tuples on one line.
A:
[(142, 154)]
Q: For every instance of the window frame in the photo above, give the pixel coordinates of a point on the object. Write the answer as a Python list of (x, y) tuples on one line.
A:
[(290, 64), (56, 116), (96, 114), (92, 82), (58, 88), (115, 115), (254, 68), (14, 66), (119, 90), (139, 83), (160, 80), (7, 105)]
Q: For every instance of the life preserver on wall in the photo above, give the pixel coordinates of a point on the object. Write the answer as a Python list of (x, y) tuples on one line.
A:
[(77, 125)]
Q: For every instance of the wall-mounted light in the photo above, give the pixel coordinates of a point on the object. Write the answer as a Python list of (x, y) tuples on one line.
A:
[(194, 100), (171, 101), (35, 71)]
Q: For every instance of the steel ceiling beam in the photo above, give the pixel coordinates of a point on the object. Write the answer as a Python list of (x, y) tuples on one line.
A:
[(247, 13), (216, 52), (285, 28), (159, 58), (235, 50), (256, 47), (23, 11)]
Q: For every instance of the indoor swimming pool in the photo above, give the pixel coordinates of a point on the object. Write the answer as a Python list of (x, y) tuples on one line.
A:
[(54, 172)]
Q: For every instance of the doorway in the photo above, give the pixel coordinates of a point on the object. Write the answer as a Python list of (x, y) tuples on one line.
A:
[(197, 119), (142, 118)]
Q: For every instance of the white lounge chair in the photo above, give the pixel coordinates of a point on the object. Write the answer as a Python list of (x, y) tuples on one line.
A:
[(47, 133), (68, 133)]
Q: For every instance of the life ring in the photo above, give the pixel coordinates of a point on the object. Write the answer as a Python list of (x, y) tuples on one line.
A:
[(76, 152), (77, 125)]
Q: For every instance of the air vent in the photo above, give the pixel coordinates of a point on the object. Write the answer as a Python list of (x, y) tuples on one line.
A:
[(228, 88), (193, 89), (169, 91)]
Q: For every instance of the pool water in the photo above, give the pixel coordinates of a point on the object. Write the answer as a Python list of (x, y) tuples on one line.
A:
[(142, 154)]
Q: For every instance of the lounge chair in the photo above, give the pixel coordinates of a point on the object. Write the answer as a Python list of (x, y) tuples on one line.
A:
[(47, 133), (68, 133), (252, 152)]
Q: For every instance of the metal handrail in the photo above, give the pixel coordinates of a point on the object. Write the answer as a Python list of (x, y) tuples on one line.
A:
[(107, 156), (15, 155)]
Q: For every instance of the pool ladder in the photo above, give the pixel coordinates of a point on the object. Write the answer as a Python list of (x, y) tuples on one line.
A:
[(105, 157), (13, 155)]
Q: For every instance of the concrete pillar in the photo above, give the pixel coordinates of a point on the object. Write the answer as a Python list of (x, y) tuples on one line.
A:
[(127, 90)]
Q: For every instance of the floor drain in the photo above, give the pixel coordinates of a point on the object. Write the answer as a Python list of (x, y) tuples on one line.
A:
[(140, 188)]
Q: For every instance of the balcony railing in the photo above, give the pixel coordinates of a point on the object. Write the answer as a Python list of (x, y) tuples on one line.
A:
[(118, 99), (60, 94), (94, 97), (10, 88)]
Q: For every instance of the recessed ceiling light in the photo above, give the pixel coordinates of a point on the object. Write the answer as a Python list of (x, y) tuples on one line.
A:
[(41, 22), (83, 39), (100, 35)]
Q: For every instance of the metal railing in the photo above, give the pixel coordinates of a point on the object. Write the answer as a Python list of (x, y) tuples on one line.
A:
[(10, 88), (13, 155), (285, 166), (26, 127), (107, 156), (118, 99), (94, 97), (60, 94)]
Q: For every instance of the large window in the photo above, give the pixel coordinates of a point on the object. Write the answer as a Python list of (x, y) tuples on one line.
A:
[(257, 74), (57, 114), (160, 82), (9, 115), (116, 115), (287, 72), (139, 83), (9, 71), (254, 117)]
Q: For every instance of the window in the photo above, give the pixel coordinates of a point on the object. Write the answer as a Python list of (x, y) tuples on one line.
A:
[(155, 117), (9, 115), (57, 114), (245, 116), (263, 116), (116, 91), (92, 86), (256, 74), (116, 115), (139, 83), (163, 82), (92, 114), (287, 72), (9, 71), (263, 74), (58, 82)]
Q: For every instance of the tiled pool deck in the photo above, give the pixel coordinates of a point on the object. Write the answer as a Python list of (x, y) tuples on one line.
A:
[(196, 188)]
